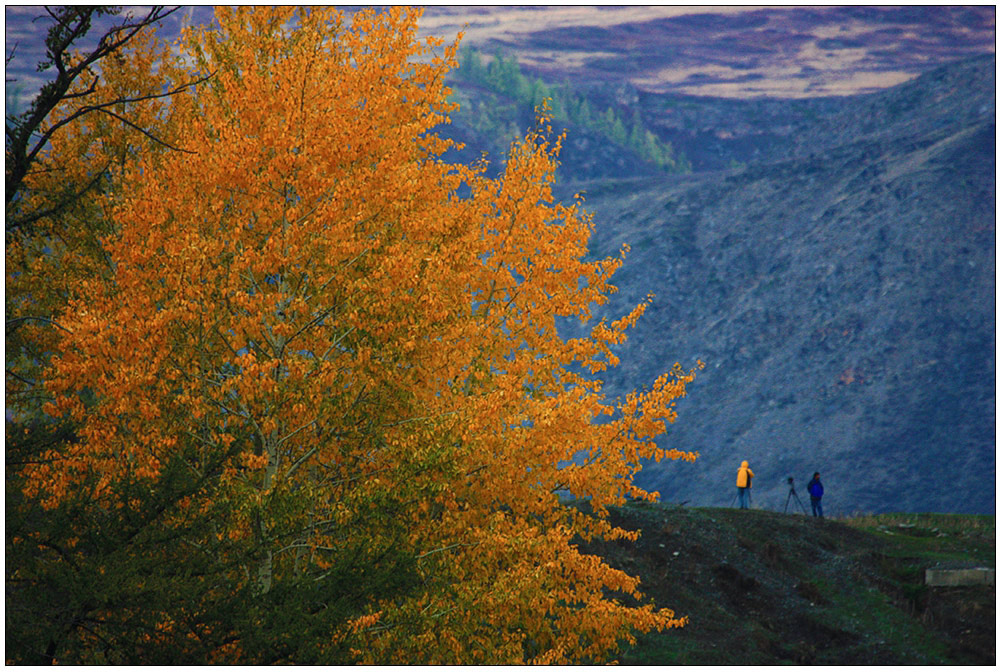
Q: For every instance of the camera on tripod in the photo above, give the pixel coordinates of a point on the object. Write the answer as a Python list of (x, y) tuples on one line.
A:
[(793, 495)]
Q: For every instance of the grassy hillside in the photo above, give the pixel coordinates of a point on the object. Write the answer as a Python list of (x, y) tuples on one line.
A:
[(766, 588)]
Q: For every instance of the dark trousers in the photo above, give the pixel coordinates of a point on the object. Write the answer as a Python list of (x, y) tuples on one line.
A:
[(816, 507)]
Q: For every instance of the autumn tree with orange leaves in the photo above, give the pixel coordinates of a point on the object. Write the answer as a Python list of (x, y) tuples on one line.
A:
[(345, 349)]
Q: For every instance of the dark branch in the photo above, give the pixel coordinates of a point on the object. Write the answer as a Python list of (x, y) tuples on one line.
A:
[(18, 321), (70, 24), (66, 201), (102, 107)]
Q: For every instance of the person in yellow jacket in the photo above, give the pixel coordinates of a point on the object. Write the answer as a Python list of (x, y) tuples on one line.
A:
[(745, 475)]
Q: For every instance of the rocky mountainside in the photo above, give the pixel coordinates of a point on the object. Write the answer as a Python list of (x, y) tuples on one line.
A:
[(840, 286), (831, 259)]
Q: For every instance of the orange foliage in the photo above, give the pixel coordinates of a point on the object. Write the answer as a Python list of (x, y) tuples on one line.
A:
[(309, 295)]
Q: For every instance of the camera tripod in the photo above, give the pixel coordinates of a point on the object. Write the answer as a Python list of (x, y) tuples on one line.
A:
[(794, 495), (735, 498)]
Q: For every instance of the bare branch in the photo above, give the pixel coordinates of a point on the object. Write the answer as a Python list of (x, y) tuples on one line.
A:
[(101, 107), (86, 92), (21, 378), (144, 131), (296, 431), (300, 462), (63, 203), (71, 24), (18, 321), (446, 548)]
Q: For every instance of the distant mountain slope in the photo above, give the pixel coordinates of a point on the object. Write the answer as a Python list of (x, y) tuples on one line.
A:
[(842, 293), (729, 51), (714, 132)]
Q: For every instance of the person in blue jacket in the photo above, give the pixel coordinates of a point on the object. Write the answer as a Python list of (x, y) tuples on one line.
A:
[(816, 490)]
